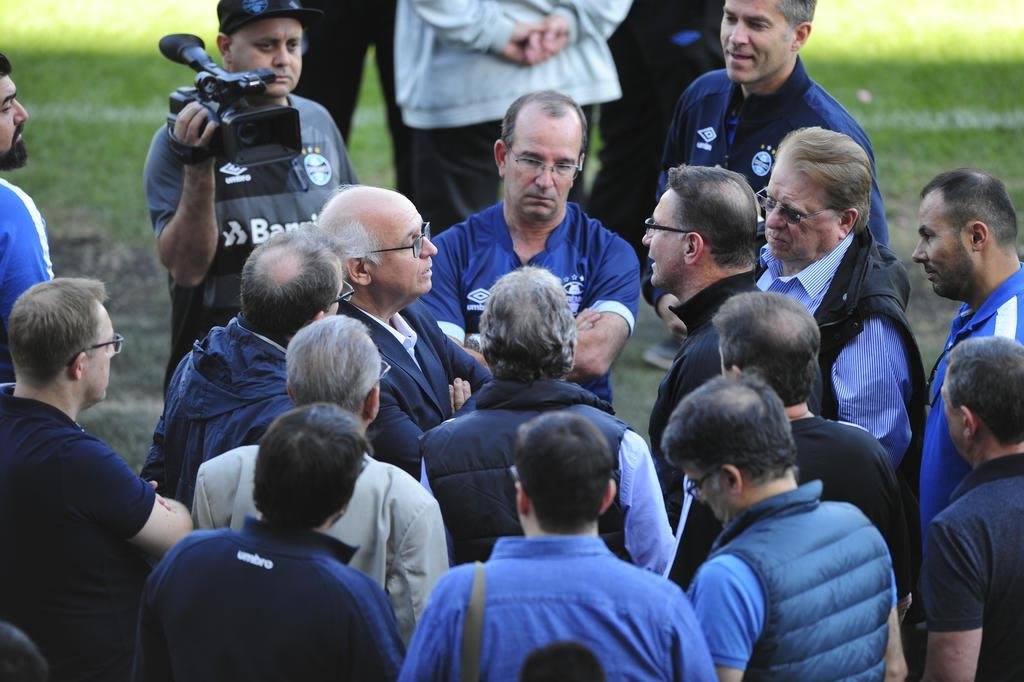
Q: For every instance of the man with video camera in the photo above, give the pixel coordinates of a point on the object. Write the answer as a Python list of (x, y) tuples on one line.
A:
[(208, 210)]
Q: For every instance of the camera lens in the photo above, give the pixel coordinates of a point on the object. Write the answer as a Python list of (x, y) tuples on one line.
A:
[(248, 134)]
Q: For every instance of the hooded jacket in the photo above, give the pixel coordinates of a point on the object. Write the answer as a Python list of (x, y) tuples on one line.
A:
[(223, 394)]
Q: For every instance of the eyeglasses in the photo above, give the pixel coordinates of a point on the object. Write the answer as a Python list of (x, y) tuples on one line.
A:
[(117, 342), (651, 225), (693, 486), (346, 292), (384, 369), (536, 166), (790, 215), (417, 244)]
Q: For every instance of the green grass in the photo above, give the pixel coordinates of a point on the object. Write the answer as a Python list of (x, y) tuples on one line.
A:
[(945, 80)]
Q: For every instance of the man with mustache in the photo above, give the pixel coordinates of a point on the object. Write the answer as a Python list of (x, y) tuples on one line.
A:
[(539, 156), (24, 250)]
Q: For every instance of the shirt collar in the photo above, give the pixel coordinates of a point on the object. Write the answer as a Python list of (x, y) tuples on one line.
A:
[(987, 472), (549, 546), (397, 326), (305, 541), (816, 277)]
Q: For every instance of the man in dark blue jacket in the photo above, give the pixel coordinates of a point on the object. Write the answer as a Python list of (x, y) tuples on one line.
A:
[(229, 388), (386, 252), (786, 564)]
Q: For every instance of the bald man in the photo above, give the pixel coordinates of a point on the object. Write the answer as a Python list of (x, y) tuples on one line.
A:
[(386, 253)]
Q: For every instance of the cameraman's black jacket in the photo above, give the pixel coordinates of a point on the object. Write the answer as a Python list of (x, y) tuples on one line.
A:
[(467, 462)]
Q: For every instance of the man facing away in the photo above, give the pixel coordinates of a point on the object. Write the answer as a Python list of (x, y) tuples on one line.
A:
[(392, 520), (274, 600), (539, 155), (971, 581), (795, 588), (75, 522), (777, 338), (528, 336), (968, 249), (209, 212), (560, 581), (231, 385), (24, 249), (387, 256)]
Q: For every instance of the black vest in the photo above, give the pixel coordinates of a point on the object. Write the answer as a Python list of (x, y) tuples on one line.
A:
[(467, 462)]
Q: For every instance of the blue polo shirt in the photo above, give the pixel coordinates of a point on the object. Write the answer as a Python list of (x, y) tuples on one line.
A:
[(264, 604), (597, 268), (68, 578)]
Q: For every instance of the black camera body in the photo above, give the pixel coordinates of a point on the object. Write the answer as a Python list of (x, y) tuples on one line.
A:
[(247, 135)]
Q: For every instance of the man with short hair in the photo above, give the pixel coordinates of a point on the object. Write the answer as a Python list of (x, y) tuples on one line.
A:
[(75, 521), (737, 117), (787, 564), (968, 249), (971, 580), (528, 337), (821, 253), (701, 244), (560, 581), (229, 388), (777, 338), (24, 249), (275, 601), (392, 520), (386, 252), (209, 212), (539, 155)]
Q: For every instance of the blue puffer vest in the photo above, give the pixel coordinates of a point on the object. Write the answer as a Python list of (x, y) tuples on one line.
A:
[(826, 574), (467, 462)]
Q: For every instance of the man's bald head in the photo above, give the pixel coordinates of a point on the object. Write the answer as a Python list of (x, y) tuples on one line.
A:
[(361, 218), (287, 280)]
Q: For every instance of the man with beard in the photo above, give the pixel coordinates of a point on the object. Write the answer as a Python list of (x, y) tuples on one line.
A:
[(24, 251), (968, 248)]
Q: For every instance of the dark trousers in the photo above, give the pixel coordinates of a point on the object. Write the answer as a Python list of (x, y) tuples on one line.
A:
[(454, 175), (332, 69), (659, 49)]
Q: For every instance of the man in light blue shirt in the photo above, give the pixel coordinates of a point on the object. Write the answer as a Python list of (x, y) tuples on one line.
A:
[(560, 582), (820, 252)]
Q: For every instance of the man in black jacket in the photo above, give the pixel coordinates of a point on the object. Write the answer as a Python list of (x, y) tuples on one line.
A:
[(701, 242)]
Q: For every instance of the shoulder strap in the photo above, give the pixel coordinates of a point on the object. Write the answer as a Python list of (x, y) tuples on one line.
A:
[(472, 628)]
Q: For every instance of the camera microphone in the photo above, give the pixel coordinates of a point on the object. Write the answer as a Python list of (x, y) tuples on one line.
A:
[(189, 50)]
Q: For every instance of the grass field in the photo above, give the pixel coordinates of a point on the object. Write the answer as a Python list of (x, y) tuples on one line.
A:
[(936, 84)]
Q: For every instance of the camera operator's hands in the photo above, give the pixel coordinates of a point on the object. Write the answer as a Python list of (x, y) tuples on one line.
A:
[(193, 126)]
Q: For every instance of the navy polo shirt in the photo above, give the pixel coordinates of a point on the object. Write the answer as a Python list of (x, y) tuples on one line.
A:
[(68, 578), (264, 604), (597, 268)]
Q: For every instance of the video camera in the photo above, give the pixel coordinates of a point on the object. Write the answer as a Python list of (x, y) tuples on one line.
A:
[(248, 135)]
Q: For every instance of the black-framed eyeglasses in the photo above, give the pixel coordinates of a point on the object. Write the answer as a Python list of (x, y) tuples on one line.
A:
[(384, 369), (346, 292), (417, 244), (651, 225), (789, 214), (693, 485), (117, 342), (534, 165)]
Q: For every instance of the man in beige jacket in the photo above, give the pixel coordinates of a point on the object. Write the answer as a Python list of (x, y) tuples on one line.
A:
[(393, 520)]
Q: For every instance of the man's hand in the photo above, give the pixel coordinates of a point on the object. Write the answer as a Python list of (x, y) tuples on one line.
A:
[(523, 45), (193, 126), (554, 35), (459, 391), (586, 320), (671, 320)]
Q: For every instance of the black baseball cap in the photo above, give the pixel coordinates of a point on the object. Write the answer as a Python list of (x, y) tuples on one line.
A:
[(234, 14)]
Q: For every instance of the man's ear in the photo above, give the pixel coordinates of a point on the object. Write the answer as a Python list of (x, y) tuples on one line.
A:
[(224, 46), (76, 369), (371, 405), (500, 155), (523, 504), (733, 479), (800, 35), (356, 272), (609, 495), (971, 420), (848, 220), (976, 235)]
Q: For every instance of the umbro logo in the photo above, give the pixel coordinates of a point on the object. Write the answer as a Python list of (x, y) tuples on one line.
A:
[(235, 173), (707, 135), (478, 295)]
